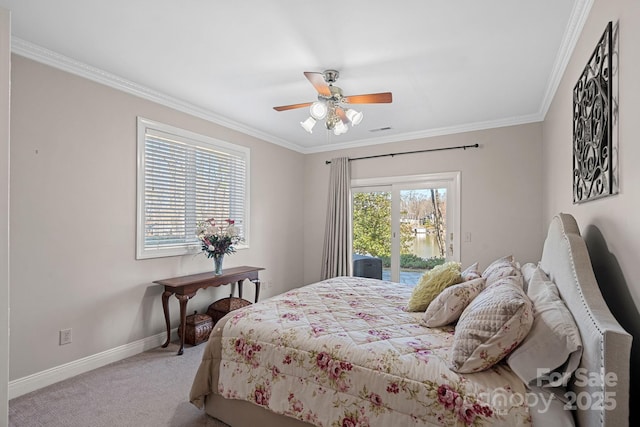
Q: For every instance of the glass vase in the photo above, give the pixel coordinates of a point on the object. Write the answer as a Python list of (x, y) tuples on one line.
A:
[(217, 263)]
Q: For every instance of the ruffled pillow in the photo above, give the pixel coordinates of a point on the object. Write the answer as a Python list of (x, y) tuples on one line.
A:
[(449, 304), (493, 324), (470, 272), (502, 267), (432, 283)]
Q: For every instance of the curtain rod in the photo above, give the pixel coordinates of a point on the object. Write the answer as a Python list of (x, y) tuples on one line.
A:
[(463, 147)]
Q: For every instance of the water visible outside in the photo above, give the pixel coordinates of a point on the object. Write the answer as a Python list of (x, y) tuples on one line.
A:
[(418, 208), (425, 245), (409, 277), (422, 210)]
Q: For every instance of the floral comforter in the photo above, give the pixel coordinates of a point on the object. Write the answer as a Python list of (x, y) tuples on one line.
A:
[(344, 352)]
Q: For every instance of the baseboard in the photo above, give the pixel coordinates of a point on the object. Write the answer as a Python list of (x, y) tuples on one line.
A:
[(42, 379)]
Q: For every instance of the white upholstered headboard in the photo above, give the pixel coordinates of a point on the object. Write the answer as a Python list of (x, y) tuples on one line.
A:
[(601, 387)]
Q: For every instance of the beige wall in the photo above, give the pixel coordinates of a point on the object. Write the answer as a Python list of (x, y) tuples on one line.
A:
[(5, 59), (610, 226), (73, 206), (73, 212), (500, 189), (73, 203)]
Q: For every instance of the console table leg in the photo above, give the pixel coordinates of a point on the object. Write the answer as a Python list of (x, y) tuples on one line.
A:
[(240, 288), (165, 308), (257, 283), (183, 319)]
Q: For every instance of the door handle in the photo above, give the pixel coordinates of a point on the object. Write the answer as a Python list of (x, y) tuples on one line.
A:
[(451, 244)]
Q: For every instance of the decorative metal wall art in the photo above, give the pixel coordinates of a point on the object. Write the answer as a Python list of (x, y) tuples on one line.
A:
[(594, 117)]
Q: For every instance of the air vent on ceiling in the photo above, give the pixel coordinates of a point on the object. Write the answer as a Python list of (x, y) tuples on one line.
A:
[(380, 129)]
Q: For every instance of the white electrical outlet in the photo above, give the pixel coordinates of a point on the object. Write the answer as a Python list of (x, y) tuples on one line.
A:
[(65, 336)]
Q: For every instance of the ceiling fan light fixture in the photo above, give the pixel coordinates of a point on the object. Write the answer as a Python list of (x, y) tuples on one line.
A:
[(308, 124), (318, 110), (355, 117), (340, 128), (331, 103)]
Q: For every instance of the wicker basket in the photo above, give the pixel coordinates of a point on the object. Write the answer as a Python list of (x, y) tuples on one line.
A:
[(220, 308), (198, 328)]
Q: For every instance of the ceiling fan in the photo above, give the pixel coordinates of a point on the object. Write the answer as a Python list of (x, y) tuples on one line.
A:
[(332, 104)]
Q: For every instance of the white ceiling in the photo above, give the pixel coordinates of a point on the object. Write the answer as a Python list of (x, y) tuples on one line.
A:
[(452, 66)]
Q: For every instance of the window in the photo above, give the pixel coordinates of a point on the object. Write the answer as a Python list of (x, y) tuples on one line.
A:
[(411, 222), (185, 178)]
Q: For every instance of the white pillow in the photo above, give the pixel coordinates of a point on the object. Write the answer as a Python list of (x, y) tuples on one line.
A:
[(527, 271), (470, 272), (493, 324), (450, 303), (502, 267), (553, 345)]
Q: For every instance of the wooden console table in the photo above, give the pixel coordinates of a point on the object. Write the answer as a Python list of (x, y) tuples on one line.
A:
[(185, 288)]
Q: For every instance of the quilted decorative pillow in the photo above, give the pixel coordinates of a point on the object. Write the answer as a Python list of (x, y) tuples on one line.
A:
[(493, 324), (450, 303), (502, 267), (470, 272), (432, 283), (553, 328)]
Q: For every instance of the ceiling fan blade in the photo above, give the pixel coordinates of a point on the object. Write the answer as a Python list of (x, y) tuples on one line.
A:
[(343, 116), (317, 80), (371, 98), (292, 106)]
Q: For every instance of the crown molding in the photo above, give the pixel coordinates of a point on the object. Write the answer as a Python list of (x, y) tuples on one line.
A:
[(575, 24), (45, 56), (572, 33), (410, 136), (578, 18)]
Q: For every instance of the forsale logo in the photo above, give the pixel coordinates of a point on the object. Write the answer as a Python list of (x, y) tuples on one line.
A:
[(502, 400)]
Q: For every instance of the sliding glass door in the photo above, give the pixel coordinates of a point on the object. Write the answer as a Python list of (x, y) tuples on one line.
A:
[(409, 223)]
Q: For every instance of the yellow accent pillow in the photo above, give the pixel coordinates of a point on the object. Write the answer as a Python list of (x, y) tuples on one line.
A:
[(432, 283)]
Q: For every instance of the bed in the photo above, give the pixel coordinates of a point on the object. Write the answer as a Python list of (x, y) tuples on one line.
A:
[(346, 352)]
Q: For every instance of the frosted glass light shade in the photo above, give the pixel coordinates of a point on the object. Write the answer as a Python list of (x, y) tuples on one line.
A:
[(340, 128), (308, 124), (318, 110), (354, 116)]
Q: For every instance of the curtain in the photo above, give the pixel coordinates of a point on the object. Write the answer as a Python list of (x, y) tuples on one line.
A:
[(336, 254)]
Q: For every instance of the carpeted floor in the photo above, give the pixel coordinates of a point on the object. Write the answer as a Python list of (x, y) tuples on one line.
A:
[(149, 389)]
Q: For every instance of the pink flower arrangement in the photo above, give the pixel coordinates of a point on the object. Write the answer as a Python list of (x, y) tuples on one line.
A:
[(216, 239)]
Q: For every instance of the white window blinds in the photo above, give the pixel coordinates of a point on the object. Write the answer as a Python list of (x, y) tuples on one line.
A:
[(185, 178)]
